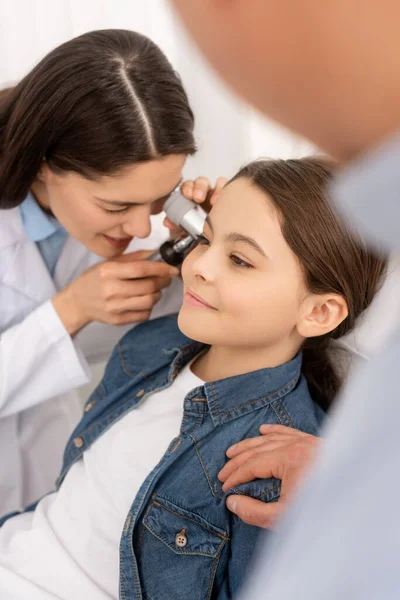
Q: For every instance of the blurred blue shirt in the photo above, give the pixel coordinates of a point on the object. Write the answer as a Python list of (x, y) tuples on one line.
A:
[(43, 229)]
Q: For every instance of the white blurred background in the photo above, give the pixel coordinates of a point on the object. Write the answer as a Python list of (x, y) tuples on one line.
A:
[(229, 133)]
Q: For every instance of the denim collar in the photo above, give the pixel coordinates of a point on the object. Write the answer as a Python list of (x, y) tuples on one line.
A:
[(236, 396)]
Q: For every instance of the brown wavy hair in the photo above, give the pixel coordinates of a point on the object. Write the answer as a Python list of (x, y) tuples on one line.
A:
[(334, 259), (97, 103)]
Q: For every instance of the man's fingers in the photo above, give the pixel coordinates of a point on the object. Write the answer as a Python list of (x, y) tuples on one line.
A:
[(232, 465), (265, 447), (267, 431), (281, 429), (261, 440), (254, 512), (261, 465), (244, 445)]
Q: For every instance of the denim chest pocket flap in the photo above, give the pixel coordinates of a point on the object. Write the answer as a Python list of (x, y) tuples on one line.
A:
[(183, 532), (178, 553)]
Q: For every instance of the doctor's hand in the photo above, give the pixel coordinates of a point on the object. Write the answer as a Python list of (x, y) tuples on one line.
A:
[(118, 291), (201, 191), (280, 452)]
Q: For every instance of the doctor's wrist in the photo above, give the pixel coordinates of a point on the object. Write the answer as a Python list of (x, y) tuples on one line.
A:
[(69, 311)]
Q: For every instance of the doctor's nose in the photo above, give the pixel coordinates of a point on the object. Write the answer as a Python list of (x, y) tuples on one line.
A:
[(138, 224)]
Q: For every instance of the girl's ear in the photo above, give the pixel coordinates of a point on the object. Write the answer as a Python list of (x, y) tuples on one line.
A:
[(320, 314)]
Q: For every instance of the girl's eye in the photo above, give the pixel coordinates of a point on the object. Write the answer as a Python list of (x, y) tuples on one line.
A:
[(122, 210), (238, 262)]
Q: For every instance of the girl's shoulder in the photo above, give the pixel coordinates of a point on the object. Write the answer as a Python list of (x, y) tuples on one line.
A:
[(301, 411)]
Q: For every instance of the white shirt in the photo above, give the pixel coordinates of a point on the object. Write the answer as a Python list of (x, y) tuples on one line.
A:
[(69, 547)]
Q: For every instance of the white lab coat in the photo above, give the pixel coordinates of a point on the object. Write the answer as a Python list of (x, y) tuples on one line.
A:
[(40, 364)]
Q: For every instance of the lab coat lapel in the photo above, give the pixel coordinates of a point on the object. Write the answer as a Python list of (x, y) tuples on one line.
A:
[(28, 274), (25, 271)]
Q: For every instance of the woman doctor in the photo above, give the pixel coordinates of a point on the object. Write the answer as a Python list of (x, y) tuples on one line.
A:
[(92, 142)]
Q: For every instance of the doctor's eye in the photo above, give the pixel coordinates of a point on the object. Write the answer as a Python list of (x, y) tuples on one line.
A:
[(119, 211)]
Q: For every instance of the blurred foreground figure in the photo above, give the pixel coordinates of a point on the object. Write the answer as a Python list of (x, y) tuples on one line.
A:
[(331, 72)]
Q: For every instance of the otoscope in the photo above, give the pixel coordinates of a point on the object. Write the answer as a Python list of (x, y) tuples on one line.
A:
[(188, 215)]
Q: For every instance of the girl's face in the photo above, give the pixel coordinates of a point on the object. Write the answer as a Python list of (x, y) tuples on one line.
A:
[(107, 213), (243, 284)]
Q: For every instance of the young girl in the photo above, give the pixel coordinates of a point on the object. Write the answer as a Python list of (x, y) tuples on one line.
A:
[(92, 141), (275, 272)]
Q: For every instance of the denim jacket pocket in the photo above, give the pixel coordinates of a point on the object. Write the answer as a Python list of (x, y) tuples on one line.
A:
[(178, 554)]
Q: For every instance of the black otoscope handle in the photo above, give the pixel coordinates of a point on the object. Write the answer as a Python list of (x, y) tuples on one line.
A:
[(173, 252)]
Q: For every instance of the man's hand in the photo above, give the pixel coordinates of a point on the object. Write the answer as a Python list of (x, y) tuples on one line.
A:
[(280, 452)]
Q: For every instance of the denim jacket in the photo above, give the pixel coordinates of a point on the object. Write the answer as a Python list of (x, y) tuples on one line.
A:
[(179, 540)]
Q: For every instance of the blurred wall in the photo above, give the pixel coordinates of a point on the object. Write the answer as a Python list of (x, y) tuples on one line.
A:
[(229, 132)]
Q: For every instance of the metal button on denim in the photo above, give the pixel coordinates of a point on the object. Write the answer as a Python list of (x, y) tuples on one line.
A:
[(140, 394), (78, 442), (181, 539)]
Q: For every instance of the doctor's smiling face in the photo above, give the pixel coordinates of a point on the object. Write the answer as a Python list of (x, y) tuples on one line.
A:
[(108, 126), (106, 213)]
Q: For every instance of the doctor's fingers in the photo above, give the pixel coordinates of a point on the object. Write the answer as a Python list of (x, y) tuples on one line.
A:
[(220, 184), (197, 189), (118, 306), (135, 269), (126, 318), (200, 190), (124, 288)]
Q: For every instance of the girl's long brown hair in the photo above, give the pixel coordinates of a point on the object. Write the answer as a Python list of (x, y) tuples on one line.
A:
[(333, 257)]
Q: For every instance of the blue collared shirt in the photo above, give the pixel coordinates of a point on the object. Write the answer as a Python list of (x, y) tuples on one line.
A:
[(47, 233)]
